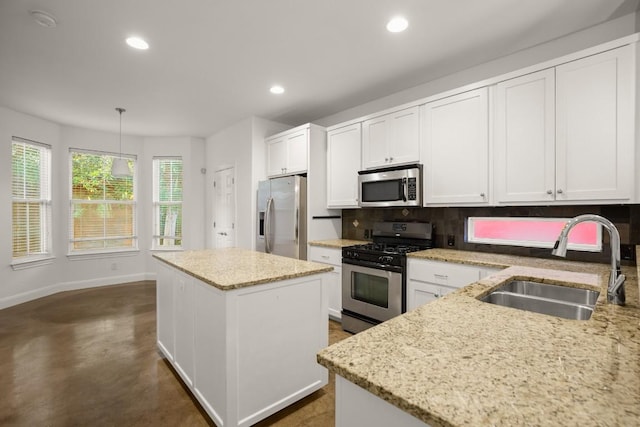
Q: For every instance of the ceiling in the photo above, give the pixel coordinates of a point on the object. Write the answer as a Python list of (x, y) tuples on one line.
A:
[(211, 62)]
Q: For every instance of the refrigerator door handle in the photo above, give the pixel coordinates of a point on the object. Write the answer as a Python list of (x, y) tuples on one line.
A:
[(267, 225), (297, 225)]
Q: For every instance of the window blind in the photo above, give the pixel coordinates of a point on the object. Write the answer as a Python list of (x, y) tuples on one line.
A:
[(167, 202), (31, 198)]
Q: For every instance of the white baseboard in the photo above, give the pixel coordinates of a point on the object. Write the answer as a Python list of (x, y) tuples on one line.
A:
[(72, 286)]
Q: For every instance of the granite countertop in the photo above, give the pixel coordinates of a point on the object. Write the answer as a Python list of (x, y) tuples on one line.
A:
[(337, 243), (458, 361), (232, 268)]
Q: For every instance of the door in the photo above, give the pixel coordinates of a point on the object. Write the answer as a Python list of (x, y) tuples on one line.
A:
[(594, 127), (525, 138), (371, 292), (283, 217), (224, 217), (165, 316), (404, 145), (374, 142), (457, 149), (184, 327), (276, 156), (297, 152), (343, 164)]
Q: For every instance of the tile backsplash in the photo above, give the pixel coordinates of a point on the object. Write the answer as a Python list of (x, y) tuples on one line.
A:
[(449, 222)]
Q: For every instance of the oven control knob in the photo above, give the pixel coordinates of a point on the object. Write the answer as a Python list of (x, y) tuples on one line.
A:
[(385, 259)]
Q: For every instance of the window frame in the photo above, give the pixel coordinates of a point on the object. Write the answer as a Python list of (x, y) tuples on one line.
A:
[(471, 238), (45, 254), (100, 252), (157, 205)]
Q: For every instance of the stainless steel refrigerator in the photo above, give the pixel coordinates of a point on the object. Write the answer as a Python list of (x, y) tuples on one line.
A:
[(282, 217)]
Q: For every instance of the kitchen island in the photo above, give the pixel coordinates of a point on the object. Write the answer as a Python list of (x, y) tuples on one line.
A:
[(459, 361), (242, 329)]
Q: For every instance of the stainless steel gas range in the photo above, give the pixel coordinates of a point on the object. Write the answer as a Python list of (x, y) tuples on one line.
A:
[(374, 283)]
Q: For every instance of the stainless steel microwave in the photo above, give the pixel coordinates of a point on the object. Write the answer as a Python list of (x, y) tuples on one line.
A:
[(391, 187)]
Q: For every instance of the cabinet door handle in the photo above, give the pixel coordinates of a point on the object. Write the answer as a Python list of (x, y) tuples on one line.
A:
[(441, 276), (386, 159), (324, 256), (391, 159), (482, 195), (559, 190), (549, 192)]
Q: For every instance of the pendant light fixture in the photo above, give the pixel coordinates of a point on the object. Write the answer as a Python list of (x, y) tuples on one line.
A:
[(120, 166)]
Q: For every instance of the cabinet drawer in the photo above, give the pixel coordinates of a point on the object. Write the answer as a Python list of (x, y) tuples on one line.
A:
[(443, 273), (325, 255)]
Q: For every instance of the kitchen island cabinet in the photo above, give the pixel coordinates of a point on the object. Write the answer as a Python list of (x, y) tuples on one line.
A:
[(459, 361), (242, 328)]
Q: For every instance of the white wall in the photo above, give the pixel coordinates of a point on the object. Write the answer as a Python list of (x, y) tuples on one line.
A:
[(593, 36), (64, 273), (241, 146)]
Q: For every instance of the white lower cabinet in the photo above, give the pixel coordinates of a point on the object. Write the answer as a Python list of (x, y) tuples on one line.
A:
[(164, 310), (333, 257), (356, 406), (184, 315), (429, 280)]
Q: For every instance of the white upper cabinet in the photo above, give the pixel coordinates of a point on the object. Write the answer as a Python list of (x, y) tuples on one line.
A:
[(524, 145), (343, 164), (391, 139), (276, 156), (595, 127), (456, 149), (287, 153), (565, 134)]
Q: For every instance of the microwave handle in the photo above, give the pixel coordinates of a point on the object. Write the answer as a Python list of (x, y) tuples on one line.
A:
[(405, 185)]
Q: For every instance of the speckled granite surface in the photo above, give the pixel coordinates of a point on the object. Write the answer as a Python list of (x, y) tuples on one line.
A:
[(462, 362), (337, 243), (233, 268)]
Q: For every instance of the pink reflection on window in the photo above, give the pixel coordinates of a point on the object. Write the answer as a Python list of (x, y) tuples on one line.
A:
[(585, 233)]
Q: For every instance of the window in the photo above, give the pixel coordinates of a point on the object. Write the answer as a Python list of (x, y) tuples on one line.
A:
[(167, 202), (533, 232), (103, 207), (31, 200)]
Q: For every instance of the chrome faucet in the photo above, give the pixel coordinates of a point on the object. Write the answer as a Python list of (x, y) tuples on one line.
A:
[(615, 289)]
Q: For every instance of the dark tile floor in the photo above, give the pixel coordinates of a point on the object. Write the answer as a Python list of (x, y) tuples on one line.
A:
[(89, 357)]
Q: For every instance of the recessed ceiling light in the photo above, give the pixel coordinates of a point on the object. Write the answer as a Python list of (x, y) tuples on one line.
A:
[(276, 89), (397, 24), (43, 18), (138, 43)]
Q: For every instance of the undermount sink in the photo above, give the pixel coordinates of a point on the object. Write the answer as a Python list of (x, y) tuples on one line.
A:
[(554, 300)]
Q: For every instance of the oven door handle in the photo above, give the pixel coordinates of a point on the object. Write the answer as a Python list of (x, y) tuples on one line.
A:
[(374, 265)]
